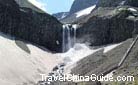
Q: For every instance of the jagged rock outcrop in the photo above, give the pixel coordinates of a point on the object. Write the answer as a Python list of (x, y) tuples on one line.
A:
[(115, 3), (30, 25), (81, 4), (107, 26), (111, 3)]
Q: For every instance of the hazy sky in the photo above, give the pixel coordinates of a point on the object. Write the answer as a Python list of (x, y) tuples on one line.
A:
[(53, 6)]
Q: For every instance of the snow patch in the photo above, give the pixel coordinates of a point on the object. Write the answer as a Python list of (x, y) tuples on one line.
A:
[(123, 2), (110, 47), (132, 9), (22, 10), (81, 51), (38, 4), (85, 11), (78, 52), (57, 42), (63, 16), (75, 26), (18, 67)]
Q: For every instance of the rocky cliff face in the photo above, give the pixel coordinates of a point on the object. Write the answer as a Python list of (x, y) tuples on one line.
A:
[(30, 25), (112, 26), (111, 22), (111, 3), (81, 4), (132, 3), (114, 3)]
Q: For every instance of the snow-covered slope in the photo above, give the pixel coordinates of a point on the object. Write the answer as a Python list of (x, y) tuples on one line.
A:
[(81, 4), (85, 11), (77, 16), (110, 47), (33, 4), (38, 4), (81, 51), (19, 67), (22, 63)]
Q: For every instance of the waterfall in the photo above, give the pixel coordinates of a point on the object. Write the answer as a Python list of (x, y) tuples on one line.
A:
[(69, 37)]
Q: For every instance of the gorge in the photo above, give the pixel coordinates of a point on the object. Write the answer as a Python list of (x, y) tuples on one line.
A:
[(91, 38)]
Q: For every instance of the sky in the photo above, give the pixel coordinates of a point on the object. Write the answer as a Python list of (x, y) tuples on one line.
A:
[(53, 6)]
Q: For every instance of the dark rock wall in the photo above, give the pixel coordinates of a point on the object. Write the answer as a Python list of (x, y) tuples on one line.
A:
[(82, 4), (105, 31), (109, 3), (39, 28), (114, 3), (9, 16), (111, 27), (132, 3)]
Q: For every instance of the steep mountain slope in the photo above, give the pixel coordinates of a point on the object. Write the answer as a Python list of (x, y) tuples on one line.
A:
[(79, 7), (101, 62), (104, 24), (111, 22), (30, 25), (115, 3), (22, 63), (74, 18), (81, 4), (109, 25), (27, 4)]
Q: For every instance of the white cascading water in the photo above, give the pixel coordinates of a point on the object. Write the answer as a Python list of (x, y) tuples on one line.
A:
[(69, 37), (73, 51)]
